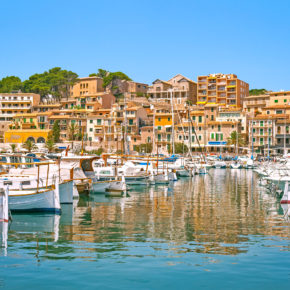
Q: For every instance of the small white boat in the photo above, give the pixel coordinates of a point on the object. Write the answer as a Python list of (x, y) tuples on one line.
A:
[(219, 164), (117, 189), (235, 165)]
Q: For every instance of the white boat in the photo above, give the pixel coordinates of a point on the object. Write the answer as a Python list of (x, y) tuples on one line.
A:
[(27, 179), (286, 196), (4, 211), (235, 165), (219, 164), (32, 199)]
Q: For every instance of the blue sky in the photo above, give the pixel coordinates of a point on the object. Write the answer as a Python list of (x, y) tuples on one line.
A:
[(149, 39)]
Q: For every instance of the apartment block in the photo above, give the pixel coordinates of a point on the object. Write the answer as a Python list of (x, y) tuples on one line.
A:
[(181, 89), (221, 89)]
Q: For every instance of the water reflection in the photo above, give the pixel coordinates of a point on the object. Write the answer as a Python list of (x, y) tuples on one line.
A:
[(218, 213)]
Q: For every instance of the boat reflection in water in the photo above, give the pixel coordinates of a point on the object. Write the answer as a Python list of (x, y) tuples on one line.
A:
[(222, 214)]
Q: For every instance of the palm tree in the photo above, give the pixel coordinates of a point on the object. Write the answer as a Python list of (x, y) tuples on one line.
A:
[(236, 139), (13, 147), (73, 131), (29, 145), (50, 145)]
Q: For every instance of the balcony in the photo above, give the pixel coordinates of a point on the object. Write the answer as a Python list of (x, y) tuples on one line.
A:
[(202, 80), (211, 87), (231, 96), (200, 87)]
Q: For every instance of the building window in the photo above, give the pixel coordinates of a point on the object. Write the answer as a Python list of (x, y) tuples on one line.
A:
[(199, 137), (193, 118), (219, 127), (131, 122), (212, 136), (276, 101), (91, 121), (279, 112), (169, 119), (285, 101), (261, 123), (200, 119), (159, 128), (91, 129)]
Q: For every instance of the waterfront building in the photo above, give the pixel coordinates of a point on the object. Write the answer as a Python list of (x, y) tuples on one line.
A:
[(15, 103), (66, 118), (182, 90), (262, 132), (95, 126), (221, 89), (28, 126)]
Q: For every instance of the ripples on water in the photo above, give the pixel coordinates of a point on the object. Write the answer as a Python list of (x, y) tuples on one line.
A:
[(220, 230)]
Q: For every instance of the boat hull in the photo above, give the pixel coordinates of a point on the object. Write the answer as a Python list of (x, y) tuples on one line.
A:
[(32, 201), (66, 192)]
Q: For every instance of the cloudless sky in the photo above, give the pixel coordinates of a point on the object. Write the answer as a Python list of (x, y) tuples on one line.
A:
[(149, 39)]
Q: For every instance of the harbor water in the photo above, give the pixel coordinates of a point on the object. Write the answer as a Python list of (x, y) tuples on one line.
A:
[(221, 230)]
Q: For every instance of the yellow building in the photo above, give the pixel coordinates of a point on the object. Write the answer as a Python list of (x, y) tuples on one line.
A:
[(221, 89), (26, 127)]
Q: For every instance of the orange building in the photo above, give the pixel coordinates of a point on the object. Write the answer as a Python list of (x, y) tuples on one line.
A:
[(221, 89)]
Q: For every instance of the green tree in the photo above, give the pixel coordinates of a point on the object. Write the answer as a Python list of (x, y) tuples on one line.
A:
[(29, 145), (9, 84), (50, 145), (112, 77), (56, 131), (144, 148), (236, 139), (73, 131), (257, 92), (179, 148), (55, 81), (13, 148)]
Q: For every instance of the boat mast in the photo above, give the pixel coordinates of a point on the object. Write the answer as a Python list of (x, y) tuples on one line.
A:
[(237, 143), (285, 131), (126, 148), (189, 132), (172, 133), (153, 145), (252, 140)]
